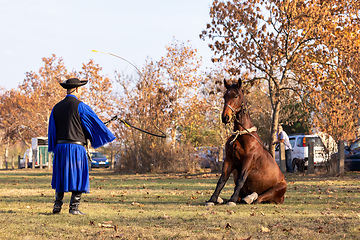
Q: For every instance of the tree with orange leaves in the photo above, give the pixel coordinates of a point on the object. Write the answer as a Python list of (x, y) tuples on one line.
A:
[(180, 71), (166, 97), (294, 46), (99, 93), (25, 110)]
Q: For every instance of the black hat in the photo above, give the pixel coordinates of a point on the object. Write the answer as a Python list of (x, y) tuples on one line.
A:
[(73, 83)]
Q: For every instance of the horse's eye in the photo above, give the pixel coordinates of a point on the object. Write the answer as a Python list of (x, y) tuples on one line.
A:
[(236, 96)]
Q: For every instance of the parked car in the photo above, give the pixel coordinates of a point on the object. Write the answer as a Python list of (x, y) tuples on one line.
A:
[(98, 160), (352, 162), (22, 163), (117, 159), (299, 144), (206, 157), (352, 156), (353, 148)]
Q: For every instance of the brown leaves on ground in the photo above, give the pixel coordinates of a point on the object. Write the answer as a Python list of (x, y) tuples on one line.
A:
[(137, 204), (165, 216), (106, 224)]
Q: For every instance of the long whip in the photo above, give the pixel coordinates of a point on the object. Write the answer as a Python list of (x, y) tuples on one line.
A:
[(121, 59), (163, 135), (122, 120)]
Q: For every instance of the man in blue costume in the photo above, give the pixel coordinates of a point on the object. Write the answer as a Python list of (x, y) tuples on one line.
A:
[(71, 123)]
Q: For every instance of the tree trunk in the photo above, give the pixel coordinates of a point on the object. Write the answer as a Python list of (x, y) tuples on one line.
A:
[(274, 126), (275, 104), (173, 137), (6, 156)]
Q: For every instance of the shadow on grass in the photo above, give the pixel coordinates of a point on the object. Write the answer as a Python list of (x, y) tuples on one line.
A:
[(49, 213)]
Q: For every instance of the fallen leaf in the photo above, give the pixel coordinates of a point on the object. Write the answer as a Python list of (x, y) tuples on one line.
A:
[(230, 212), (246, 238), (265, 229), (227, 225), (119, 236), (105, 225), (137, 204)]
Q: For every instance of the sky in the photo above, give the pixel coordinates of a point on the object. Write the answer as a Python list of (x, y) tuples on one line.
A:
[(132, 29)]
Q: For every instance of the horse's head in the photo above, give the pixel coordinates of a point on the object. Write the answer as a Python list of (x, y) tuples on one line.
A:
[(234, 101)]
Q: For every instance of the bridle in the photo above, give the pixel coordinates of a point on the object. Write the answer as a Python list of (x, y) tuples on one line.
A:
[(237, 133), (232, 109), (243, 108)]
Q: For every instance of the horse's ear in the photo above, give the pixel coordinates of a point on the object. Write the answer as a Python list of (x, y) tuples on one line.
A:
[(239, 83), (226, 84)]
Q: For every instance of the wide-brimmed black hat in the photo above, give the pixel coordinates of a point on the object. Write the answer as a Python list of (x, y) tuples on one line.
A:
[(73, 83)]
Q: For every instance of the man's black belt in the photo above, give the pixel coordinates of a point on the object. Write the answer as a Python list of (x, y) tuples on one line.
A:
[(70, 141)]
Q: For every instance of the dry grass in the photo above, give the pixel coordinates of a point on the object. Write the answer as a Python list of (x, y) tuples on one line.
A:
[(159, 206)]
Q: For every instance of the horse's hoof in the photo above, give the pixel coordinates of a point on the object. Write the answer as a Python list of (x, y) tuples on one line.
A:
[(231, 204), (220, 201), (209, 204), (250, 198)]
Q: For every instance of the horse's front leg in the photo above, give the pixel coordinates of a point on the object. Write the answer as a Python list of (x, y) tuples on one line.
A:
[(239, 183), (226, 171)]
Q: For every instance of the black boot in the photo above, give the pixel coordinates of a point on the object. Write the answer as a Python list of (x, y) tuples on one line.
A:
[(74, 203), (58, 202)]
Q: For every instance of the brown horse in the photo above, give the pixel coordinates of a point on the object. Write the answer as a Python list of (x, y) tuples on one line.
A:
[(257, 176)]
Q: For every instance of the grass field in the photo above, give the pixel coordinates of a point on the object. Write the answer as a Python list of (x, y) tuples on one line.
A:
[(171, 206)]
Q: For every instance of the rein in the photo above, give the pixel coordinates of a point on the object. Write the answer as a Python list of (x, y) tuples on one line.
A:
[(129, 125)]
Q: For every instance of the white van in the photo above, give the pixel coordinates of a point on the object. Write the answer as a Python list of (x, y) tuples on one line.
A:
[(300, 149), (27, 159)]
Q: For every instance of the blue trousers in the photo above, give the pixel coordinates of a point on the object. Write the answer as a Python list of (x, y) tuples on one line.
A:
[(288, 158)]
